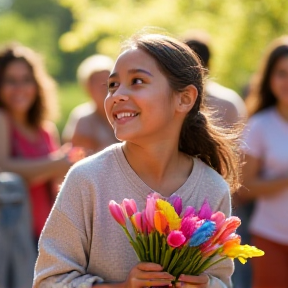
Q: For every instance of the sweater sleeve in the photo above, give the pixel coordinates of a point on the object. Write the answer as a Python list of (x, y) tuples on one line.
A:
[(64, 242)]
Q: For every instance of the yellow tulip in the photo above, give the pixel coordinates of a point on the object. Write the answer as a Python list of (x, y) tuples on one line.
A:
[(169, 212), (242, 252)]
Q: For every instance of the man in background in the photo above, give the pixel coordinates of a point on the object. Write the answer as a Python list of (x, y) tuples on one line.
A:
[(227, 105), (87, 125)]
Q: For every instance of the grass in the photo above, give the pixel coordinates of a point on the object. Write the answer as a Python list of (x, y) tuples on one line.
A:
[(70, 95)]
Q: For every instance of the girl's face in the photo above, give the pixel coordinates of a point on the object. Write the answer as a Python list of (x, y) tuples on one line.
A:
[(139, 104), (18, 91), (279, 81)]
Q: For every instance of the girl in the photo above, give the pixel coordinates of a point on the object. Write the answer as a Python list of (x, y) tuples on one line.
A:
[(29, 144), (155, 106), (265, 173)]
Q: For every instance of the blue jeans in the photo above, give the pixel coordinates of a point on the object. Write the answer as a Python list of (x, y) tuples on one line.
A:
[(17, 247)]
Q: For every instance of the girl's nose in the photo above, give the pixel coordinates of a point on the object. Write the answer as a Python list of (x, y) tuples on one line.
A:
[(120, 95)]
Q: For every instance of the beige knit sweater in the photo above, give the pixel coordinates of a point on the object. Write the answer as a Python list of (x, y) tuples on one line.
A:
[(81, 243)]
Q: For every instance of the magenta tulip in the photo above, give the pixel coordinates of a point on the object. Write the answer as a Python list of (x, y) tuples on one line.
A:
[(176, 238), (176, 202), (205, 211), (188, 225), (190, 211), (145, 225)]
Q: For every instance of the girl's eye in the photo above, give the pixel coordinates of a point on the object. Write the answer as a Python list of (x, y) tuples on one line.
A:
[(112, 85), (137, 81)]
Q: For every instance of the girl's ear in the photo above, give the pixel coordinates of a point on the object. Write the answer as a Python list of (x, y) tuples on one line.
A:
[(187, 98)]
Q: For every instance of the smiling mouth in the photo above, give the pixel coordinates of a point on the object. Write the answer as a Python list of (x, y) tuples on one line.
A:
[(125, 115)]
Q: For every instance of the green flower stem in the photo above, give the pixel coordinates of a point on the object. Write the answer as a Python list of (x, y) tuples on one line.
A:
[(167, 257), (178, 254), (209, 264), (183, 262), (132, 242), (203, 262), (157, 248), (146, 245), (141, 248), (151, 247), (190, 269), (127, 233), (163, 249)]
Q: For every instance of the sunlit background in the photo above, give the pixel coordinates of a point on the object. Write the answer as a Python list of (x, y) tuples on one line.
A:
[(67, 31)]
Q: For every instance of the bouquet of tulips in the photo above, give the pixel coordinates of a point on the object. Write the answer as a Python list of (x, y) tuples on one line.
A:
[(182, 243)]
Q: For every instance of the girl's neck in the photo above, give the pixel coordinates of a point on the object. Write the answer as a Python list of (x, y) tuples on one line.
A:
[(162, 167)]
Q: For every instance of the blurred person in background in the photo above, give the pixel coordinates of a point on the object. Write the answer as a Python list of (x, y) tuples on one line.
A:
[(227, 105), (29, 143), (265, 173), (87, 125), (228, 109)]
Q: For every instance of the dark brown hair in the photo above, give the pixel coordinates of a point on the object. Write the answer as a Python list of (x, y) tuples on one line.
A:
[(260, 95), (45, 104), (199, 137)]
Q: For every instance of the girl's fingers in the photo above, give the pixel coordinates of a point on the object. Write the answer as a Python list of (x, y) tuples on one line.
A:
[(189, 281), (155, 276), (149, 266), (152, 282)]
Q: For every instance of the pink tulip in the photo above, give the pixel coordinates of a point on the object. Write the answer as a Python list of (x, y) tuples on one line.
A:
[(145, 225), (129, 206), (205, 211), (136, 220), (150, 210), (176, 238), (154, 195), (229, 227), (117, 212), (219, 219)]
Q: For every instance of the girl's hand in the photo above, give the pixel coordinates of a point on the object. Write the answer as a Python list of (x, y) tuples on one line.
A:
[(189, 281), (147, 274)]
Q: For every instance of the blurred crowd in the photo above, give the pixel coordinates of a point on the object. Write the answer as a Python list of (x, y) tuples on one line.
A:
[(34, 157)]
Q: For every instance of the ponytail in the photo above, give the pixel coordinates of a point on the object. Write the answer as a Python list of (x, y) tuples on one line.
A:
[(215, 146)]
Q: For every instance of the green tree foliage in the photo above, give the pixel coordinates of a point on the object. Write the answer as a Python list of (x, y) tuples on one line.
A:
[(39, 24), (15, 28), (240, 30)]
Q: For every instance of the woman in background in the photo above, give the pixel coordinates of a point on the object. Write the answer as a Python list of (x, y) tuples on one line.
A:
[(265, 173), (29, 143)]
